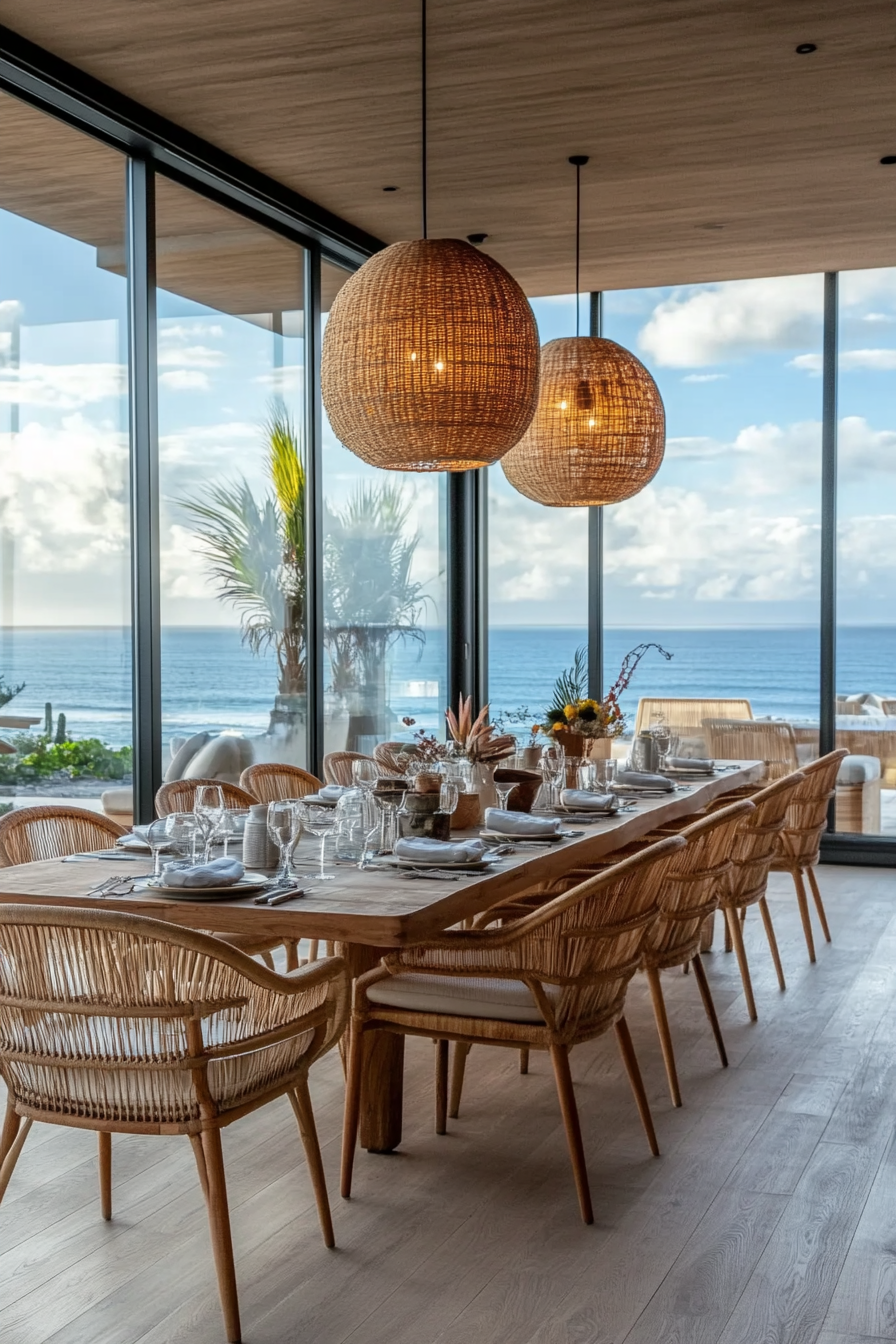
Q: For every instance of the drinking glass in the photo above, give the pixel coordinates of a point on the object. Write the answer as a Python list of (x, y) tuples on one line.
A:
[(553, 769), (382, 838), (208, 806), (228, 828), (448, 795), (182, 829), (504, 791), (157, 838), (365, 775), (661, 734), (284, 828), (610, 773), (320, 822), (586, 776)]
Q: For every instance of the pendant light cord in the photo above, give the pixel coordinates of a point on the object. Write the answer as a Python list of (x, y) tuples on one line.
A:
[(423, 106), (578, 161)]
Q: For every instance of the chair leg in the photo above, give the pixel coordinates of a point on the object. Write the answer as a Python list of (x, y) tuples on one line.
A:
[(819, 904), (441, 1087), (630, 1060), (219, 1226), (196, 1141), (291, 948), (458, 1065), (772, 941), (729, 945), (737, 937), (300, 1100), (268, 960), (570, 1112), (105, 1142), (314, 949), (352, 1109), (803, 904), (662, 1026), (524, 1059), (15, 1132), (710, 1007)]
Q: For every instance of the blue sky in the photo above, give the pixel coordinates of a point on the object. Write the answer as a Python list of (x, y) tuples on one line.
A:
[(727, 533)]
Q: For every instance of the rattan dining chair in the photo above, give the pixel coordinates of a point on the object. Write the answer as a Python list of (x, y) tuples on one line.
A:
[(799, 843), (338, 766), (30, 834), (550, 980), (754, 740), (121, 1024), (393, 757), (180, 795), (271, 783)]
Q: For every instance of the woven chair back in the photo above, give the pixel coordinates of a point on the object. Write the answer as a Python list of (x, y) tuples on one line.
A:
[(180, 795), (588, 941), (773, 743), (33, 833), (132, 1022), (695, 881), (758, 839), (685, 717), (386, 755), (888, 707), (807, 814), (338, 766), (271, 783)]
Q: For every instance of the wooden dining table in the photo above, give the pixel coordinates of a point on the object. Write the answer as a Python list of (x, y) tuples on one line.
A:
[(368, 913)]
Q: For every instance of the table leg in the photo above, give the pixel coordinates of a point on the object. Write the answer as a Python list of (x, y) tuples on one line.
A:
[(382, 1078)]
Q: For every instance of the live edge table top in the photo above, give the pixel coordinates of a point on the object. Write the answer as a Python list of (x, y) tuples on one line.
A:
[(375, 908)]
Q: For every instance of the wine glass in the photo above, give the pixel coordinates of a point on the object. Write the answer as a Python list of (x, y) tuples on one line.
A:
[(158, 839), (208, 805), (284, 829), (320, 822), (182, 829), (504, 790), (586, 776), (553, 769)]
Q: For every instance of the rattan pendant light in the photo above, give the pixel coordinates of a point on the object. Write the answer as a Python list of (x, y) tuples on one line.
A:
[(599, 433), (430, 354)]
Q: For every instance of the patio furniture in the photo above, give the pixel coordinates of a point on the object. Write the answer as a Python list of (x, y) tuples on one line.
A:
[(120, 1024), (685, 718), (338, 766), (388, 755), (550, 980), (800, 840), (179, 795), (29, 834), (118, 806), (367, 913), (270, 783)]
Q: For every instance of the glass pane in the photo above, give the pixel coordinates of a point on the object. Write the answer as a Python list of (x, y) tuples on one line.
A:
[(232, 473), (384, 595), (866, 560), (537, 581), (65, 661), (718, 559)]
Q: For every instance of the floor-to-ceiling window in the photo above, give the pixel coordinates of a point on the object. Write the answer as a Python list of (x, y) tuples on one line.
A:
[(537, 579), (866, 550), (65, 680), (232, 489), (384, 592), (718, 559)]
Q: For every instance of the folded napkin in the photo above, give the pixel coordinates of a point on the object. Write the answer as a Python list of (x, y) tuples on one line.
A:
[(445, 851), (583, 800), (520, 823), (218, 873), (636, 779), (689, 763), (331, 793)]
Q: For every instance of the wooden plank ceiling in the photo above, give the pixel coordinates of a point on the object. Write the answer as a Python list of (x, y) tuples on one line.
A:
[(716, 150)]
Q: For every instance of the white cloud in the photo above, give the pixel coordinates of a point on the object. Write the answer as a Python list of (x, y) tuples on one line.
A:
[(185, 380), (64, 386), (535, 554), (812, 363), (731, 320), (694, 449), (879, 318), (703, 377), (879, 360), (195, 356)]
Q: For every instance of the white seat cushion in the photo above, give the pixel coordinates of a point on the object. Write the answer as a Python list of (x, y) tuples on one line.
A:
[(858, 769), (504, 1000)]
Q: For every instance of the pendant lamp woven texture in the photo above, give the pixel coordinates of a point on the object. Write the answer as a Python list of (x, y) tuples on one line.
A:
[(430, 359), (599, 433)]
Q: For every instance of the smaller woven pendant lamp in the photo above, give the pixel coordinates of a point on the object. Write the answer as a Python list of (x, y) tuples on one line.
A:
[(599, 433), (430, 353)]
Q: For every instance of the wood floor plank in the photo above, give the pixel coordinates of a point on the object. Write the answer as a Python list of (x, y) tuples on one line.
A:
[(777, 1155), (864, 1301)]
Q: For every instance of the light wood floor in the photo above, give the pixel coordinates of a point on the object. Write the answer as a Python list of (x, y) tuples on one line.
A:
[(769, 1219)]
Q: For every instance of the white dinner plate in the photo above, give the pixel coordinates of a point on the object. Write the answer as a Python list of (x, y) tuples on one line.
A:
[(546, 838), (465, 866), (252, 882)]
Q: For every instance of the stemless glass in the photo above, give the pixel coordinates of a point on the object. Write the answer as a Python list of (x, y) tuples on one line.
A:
[(228, 828), (157, 838), (365, 775), (448, 796), (284, 830), (610, 767), (182, 829), (586, 776), (320, 822)]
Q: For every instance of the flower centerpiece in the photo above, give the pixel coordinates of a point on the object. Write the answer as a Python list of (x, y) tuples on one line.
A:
[(577, 720), (476, 739)]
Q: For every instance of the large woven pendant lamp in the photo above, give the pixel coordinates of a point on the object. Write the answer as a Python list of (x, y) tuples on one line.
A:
[(599, 433), (430, 354)]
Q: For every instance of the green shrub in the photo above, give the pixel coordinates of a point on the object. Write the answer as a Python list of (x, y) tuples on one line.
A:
[(38, 757)]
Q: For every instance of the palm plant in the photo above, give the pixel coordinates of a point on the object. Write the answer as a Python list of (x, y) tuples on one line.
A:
[(256, 552)]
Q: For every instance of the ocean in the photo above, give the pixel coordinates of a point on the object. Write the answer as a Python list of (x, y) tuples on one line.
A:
[(211, 681)]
